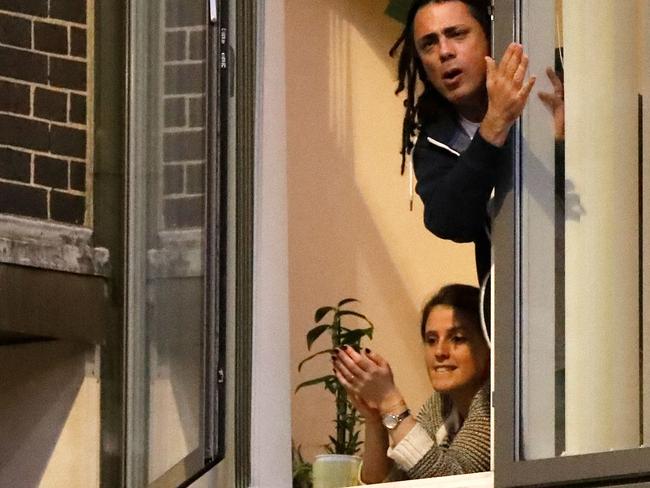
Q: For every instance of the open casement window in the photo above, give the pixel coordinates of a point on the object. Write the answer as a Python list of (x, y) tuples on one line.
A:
[(176, 215), (571, 291)]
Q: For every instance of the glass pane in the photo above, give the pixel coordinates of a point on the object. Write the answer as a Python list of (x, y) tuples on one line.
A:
[(582, 230), (176, 269), (168, 240)]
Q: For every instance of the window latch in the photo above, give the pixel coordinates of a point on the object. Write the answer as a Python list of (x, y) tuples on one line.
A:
[(212, 7)]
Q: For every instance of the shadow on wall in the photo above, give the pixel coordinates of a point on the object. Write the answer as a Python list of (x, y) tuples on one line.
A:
[(330, 227), (40, 384), (350, 232)]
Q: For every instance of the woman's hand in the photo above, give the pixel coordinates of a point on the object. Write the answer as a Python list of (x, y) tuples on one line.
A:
[(555, 103), (350, 367), (368, 379), (507, 93), (368, 413)]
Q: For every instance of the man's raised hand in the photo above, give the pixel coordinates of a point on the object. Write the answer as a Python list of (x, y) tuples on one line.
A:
[(508, 92)]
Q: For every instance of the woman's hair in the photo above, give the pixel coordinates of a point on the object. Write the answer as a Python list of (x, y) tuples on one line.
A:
[(409, 69), (462, 298)]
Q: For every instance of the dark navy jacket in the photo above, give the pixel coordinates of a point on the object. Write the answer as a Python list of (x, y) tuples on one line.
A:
[(455, 179)]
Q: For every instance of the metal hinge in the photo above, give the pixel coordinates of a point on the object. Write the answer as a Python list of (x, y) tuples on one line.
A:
[(223, 43), (220, 376)]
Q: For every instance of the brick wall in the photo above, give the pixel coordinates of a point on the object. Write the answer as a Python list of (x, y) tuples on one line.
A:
[(44, 94), (184, 117)]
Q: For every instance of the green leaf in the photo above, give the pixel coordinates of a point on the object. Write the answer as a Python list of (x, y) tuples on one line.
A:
[(315, 333), (353, 313), (332, 384), (347, 300), (315, 381), (326, 351), (355, 336), (398, 9), (321, 312)]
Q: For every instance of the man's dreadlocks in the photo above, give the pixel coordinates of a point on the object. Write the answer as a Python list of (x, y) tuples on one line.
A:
[(410, 69)]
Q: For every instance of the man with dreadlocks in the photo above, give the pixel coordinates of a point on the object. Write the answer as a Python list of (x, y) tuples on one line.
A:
[(463, 116)]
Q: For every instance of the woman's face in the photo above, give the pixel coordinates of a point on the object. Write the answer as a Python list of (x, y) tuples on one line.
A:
[(457, 356)]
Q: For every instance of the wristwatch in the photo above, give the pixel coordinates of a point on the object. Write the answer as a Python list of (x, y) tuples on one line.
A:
[(391, 421)]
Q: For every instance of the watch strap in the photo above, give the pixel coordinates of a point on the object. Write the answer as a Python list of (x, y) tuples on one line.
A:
[(391, 421)]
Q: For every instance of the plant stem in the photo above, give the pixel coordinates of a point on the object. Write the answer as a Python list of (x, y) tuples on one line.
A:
[(341, 394), (341, 413)]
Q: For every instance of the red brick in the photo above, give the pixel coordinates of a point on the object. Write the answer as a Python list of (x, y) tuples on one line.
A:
[(51, 172), (67, 141), (175, 43), (15, 31), (77, 109), (14, 97), (23, 65), (77, 176), (15, 165), (22, 132), (28, 201), (183, 212), (184, 146), (33, 7), (66, 73), (78, 42), (51, 105), (72, 10), (50, 38), (68, 208), (195, 178), (185, 78), (179, 14), (197, 45), (175, 112), (172, 179)]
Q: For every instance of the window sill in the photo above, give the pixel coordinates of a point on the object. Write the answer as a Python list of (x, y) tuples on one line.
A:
[(474, 480), (53, 246), (180, 255)]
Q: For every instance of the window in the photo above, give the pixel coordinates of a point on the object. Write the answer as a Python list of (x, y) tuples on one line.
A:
[(176, 232), (570, 399)]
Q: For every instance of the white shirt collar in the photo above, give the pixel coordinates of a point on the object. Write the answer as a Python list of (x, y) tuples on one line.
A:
[(468, 126)]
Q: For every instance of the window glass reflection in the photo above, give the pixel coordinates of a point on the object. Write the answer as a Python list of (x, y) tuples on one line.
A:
[(582, 232), (173, 235)]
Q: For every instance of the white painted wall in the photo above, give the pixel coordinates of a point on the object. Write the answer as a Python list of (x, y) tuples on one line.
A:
[(602, 315), (271, 408)]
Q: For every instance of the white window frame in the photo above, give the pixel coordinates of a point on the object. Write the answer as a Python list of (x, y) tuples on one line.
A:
[(627, 466)]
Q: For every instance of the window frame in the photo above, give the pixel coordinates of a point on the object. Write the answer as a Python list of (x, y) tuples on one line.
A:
[(212, 435), (631, 465)]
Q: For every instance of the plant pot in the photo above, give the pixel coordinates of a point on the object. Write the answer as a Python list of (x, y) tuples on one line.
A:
[(336, 470)]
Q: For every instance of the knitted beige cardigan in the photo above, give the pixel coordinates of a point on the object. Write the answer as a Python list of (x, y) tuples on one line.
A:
[(469, 452)]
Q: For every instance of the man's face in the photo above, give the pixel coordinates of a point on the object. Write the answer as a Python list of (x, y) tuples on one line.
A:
[(452, 47)]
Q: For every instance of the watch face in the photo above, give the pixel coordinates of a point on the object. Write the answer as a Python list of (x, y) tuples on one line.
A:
[(390, 421)]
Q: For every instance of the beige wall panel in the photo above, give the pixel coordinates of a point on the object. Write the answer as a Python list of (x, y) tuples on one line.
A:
[(602, 390), (350, 229)]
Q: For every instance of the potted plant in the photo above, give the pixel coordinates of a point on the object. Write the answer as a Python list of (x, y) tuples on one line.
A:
[(301, 469), (345, 443)]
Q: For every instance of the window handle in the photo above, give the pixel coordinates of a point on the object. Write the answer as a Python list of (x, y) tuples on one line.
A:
[(212, 7)]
